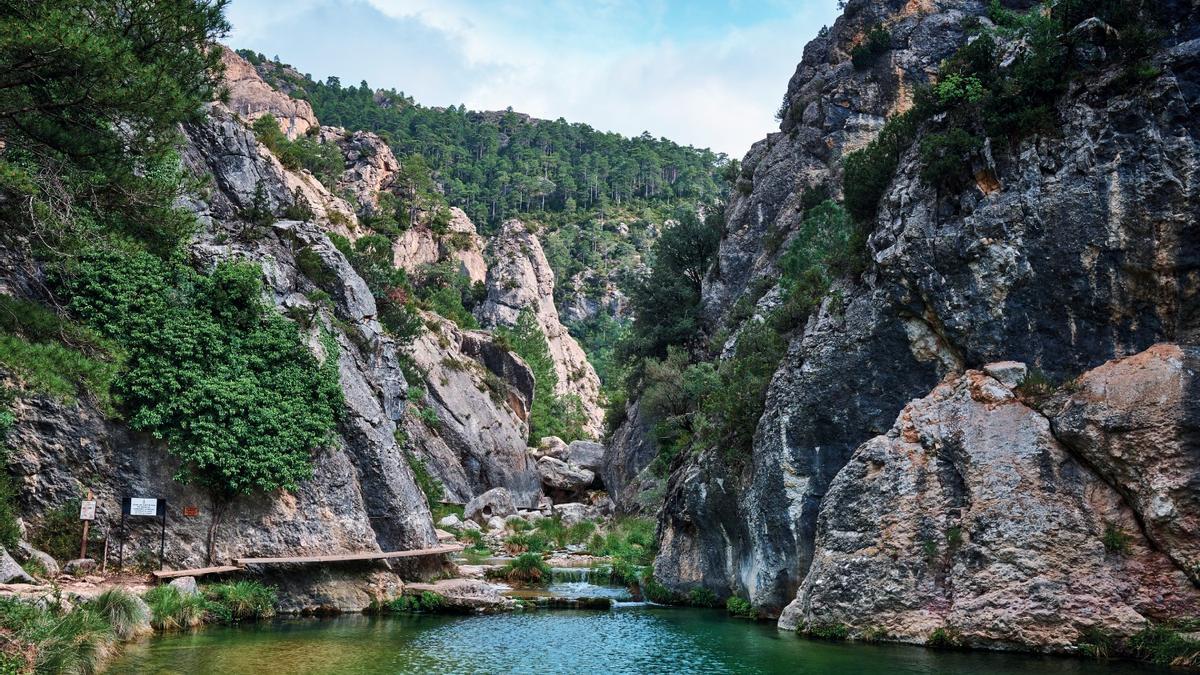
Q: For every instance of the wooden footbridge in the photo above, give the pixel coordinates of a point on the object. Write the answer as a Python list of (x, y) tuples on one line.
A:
[(240, 564)]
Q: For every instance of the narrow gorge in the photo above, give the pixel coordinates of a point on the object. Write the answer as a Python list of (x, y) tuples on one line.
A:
[(919, 374)]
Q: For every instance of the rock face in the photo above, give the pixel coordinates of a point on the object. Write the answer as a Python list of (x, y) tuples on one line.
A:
[(563, 480), (626, 465), (591, 296), (494, 503), (419, 245), (521, 279), (371, 166), (1136, 422), (251, 97), (970, 515), (955, 281), (480, 394)]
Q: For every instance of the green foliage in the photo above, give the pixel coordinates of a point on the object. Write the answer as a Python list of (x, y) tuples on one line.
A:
[(701, 596), (235, 601), (89, 110), (740, 608), (230, 386), (58, 531), (427, 602), (172, 610), (323, 160), (525, 568), (946, 157), (531, 542), (122, 611), (1097, 642), (832, 631), (551, 414), (655, 592), (498, 165), (875, 43), (1036, 384), (1115, 539), (666, 303), (869, 170), (55, 356), (432, 488), (947, 637), (1166, 645)]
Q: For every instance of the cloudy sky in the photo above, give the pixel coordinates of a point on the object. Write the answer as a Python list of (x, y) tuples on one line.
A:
[(710, 73)]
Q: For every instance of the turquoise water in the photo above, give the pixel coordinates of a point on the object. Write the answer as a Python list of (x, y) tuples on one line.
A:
[(625, 640)]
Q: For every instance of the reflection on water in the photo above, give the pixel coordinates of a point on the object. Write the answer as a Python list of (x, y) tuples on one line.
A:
[(632, 640)]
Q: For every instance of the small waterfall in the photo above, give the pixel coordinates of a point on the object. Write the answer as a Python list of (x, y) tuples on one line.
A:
[(573, 575)]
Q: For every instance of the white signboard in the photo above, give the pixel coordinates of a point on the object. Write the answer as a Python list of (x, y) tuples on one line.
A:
[(87, 509), (143, 506)]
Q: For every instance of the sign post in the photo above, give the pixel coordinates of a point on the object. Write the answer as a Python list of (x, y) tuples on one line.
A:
[(143, 507), (87, 513)]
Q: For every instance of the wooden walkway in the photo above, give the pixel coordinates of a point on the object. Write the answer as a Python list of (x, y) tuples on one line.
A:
[(347, 557), (239, 564)]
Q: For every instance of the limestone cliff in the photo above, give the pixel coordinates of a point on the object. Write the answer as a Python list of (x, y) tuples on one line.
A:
[(1079, 248), (520, 279), (251, 97)]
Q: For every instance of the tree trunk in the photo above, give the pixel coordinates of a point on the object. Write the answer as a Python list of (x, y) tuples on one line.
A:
[(218, 510)]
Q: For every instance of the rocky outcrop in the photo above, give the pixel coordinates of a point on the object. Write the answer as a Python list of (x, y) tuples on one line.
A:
[(564, 481), (520, 280), (419, 246), (371, 166), (970, 516), (1136, 422), (625, 468), (495, 503), (590, 295), (1096, 213), (251, 97), (480, 395)]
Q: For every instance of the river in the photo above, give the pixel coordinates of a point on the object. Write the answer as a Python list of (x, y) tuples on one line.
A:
[(627, 639)]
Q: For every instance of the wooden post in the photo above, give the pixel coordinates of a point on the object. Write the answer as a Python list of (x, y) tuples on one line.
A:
[(86, 526)]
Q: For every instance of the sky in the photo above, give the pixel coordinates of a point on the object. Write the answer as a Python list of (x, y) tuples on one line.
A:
[(708, 73)]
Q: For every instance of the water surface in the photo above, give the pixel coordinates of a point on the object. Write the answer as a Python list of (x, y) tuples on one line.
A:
[(625, 640)]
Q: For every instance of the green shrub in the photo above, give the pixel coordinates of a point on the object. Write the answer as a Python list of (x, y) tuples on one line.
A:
[(655, 592), (123, 612), (432, 488), (741, 608), (869, 170), (946, 637), (946, 157), (427, 602), (551, 414), (833, 631), (1165, 645), (1036, 384), (1097, 642), (1116, 540), (235, 601), (701, 596), (526, 568), (875, 43), (172, 610), (59, 530)]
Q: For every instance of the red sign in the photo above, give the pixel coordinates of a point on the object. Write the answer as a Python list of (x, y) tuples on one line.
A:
[(191, 511)]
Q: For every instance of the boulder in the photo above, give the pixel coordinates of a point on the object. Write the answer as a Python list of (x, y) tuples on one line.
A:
[(79, 566), (573, 512), (471, 595), (496, 524), (11, 572), (587, 454), (471, 525), (1008, 373), (563, 478), (552, 446), (185, 585), (449, 521), (970, 516), (25, 553), (494, 502)]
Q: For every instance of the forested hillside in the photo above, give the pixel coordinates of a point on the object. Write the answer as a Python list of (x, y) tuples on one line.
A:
[(496, 165)]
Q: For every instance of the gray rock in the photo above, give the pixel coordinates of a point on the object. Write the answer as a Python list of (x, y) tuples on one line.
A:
[(470, 525), (26, 553), (449, 521), (563, 479), (586, 454), (496, 524), (494, 502), (968, 514), (573, 512), (185, 585), (11, 572), (1008, 373), (626, 465), (552, 446), (79, 566)]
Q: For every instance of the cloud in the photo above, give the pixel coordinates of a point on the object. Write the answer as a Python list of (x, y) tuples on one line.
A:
[(709, 73)]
